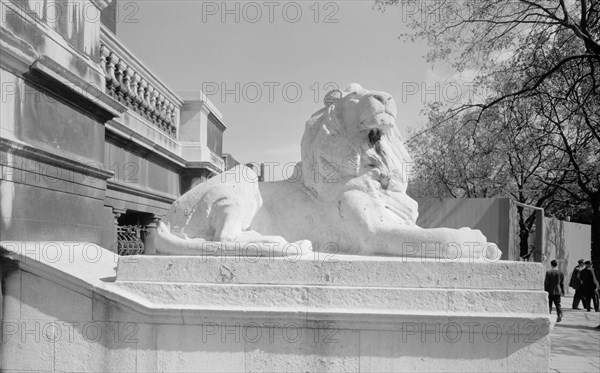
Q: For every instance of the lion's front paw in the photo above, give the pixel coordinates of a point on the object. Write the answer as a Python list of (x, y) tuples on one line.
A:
[(468, 235), (491, 252)]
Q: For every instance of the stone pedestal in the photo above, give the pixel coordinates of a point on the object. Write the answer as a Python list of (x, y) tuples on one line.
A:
[(74, 306), (344, 313)]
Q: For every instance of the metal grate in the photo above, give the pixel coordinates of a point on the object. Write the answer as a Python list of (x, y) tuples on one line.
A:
[(129, 240)]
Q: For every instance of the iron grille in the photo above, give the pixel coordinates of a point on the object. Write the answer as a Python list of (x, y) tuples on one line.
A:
[(129, 240)]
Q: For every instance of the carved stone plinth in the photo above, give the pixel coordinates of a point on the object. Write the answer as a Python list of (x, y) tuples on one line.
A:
[(349, 313), (248, 313)]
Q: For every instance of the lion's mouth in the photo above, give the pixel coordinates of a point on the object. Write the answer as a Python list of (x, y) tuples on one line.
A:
[(374, 136)]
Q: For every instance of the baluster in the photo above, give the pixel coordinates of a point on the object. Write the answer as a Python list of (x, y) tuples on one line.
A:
[(157, 108), (153, 97), (111, 69), (161, 107), (143, 93), (104, 54), (169, 113), (125, 79), (173, 119), (135, 87), (131, 92), (149, 93), (174, 115), (121, 78)]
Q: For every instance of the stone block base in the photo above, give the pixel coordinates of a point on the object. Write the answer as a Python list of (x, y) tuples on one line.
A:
[(199, 314)]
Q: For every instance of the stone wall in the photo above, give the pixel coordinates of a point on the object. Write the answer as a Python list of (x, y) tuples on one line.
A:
[(52, 123), (490, 215), (88, 132)]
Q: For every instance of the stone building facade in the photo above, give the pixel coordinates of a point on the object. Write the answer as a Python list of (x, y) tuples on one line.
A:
[(91, 139)]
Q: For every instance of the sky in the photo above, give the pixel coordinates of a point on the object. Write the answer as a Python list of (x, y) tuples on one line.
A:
[(275, 61)]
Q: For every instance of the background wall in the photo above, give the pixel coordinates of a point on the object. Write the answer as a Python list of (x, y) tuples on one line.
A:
[(490, 215), (566, 242)]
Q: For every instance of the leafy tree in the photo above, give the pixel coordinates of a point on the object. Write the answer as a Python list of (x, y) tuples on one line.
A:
[(542, 61), (501, 155)]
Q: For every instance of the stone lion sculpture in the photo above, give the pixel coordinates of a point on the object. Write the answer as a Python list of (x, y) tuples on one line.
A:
[(348, 193)]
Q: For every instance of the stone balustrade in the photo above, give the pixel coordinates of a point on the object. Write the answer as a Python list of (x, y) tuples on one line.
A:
[(134, 85)]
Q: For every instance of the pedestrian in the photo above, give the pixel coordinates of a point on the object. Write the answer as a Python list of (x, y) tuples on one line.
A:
[(589, 286), (554, 285), (575, 283)]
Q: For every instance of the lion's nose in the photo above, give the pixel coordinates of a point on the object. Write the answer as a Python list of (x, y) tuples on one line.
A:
[(381, 98)]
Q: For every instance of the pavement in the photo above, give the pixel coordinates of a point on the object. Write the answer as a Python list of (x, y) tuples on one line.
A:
[(575, 340)]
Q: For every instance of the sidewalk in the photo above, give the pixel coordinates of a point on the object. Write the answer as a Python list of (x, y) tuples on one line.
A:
[(575, 341)]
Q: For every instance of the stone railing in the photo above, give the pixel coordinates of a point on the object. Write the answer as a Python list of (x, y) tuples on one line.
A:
[(130, 82)]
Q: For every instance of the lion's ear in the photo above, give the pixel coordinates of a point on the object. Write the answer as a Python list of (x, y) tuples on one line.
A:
[(332, 97)]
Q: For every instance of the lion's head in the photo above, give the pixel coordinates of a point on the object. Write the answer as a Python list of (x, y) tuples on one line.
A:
[(354, 136)]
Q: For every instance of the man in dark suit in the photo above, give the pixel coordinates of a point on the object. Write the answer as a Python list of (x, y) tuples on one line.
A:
[(554, 285), (589, 286), (575, 283)]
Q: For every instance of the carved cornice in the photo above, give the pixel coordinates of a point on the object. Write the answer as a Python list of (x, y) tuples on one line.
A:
[(82, 166), (16, 55), (142, 147), (219, 123), (212, 167), (55, 79), (20, 58), (198, 99), (136, 190)]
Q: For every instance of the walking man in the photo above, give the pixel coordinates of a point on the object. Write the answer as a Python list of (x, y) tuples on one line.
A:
[(575, 283), (589, 285), (554, 285)]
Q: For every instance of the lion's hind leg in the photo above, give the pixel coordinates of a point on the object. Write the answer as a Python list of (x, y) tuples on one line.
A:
[(162, 241)]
